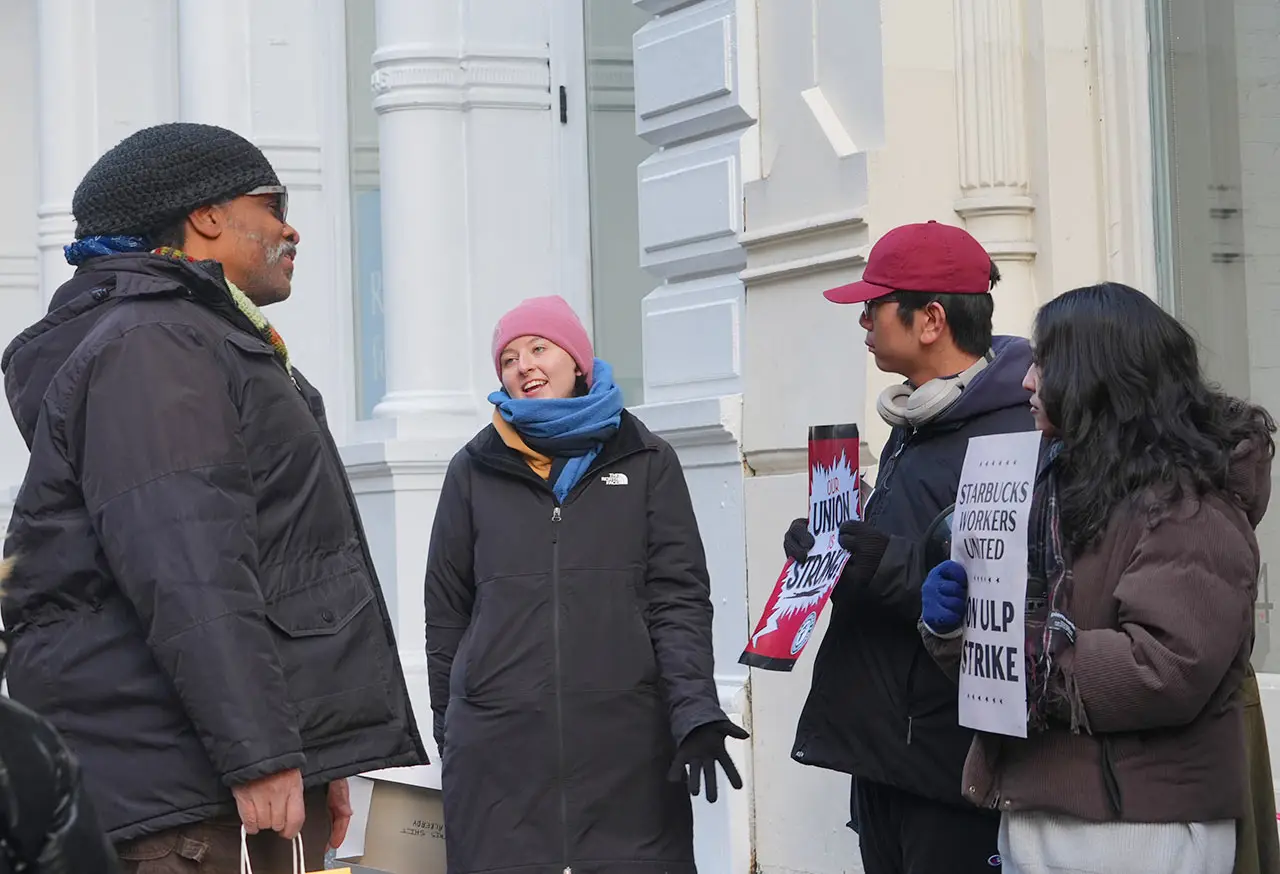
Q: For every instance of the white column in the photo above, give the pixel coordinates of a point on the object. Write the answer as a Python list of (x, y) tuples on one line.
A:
[(67, 96), (995, 200), (1122, 50), (214, 68), (419, 86)]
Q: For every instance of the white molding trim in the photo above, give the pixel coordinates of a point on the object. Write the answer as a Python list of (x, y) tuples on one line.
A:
[(991, 203), (1011, 250), (803, 247), (20, 269), (808, 226), (776, 462), (827, 261), (611, 80), (713, 421), (662, 7), (55, 226), (415, 76), (365, 165), (298, 162), (385, 466)]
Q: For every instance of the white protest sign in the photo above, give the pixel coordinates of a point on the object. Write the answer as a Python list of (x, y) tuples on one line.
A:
[(989, 537)]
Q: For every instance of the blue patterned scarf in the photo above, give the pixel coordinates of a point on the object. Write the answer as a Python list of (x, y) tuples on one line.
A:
[(95, 247), (575, 428)]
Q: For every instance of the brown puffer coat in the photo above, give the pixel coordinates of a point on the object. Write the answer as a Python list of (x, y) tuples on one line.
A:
[(1164, 615)]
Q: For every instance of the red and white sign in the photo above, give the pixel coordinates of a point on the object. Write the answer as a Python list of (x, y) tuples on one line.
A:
[(802, 590)]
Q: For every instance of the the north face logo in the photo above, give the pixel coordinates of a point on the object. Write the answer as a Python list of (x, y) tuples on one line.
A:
[(614, 479)]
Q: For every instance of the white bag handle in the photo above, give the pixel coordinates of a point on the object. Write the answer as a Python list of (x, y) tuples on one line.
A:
[(299, 866)]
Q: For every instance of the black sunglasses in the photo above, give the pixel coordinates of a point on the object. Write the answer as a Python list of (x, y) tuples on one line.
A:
[(280, 206)]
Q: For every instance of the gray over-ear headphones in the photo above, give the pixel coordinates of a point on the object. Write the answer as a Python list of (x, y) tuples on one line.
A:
[(903, 405)]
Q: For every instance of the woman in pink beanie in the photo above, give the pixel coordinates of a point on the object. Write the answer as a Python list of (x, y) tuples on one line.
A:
[(568, 618)]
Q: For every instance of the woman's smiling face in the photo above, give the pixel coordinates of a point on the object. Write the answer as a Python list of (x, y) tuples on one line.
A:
[(533, 367)]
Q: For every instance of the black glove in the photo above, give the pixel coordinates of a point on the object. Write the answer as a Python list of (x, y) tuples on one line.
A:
[(866, 544), (698, 754), (797, 542)]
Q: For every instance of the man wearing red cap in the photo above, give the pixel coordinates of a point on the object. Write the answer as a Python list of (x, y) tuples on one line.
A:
[(879, 708)]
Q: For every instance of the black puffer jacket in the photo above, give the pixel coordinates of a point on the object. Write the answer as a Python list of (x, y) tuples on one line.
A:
[(47, 823), (569, 652), (880, 708), (195, 606)]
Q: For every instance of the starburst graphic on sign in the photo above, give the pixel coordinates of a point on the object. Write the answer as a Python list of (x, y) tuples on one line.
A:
[(803, 589)]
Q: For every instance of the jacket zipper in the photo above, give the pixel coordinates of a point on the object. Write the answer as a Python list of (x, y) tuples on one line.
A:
[(556, 515), (883, 482), (881, 491)]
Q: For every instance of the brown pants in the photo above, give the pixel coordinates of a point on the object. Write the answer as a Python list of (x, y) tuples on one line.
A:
[(213, 846)]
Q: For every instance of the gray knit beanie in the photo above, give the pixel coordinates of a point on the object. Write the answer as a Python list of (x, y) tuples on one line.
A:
[(160, 174)]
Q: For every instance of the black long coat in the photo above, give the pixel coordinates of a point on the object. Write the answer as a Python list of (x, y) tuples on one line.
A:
[(195, 605), (569, 652), (47, 822)]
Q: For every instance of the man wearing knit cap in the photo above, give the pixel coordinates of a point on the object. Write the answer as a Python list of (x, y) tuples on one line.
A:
[(195, 609)]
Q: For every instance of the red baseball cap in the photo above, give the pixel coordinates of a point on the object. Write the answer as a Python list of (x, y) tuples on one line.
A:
[(928, 257)]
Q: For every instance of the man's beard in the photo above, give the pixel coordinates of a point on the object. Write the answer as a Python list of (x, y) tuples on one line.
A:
[(275, 253)]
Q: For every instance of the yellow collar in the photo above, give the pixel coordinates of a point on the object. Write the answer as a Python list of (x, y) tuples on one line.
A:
[(539, 463)]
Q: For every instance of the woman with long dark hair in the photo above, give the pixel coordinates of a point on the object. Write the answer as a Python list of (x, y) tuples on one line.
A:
[(1142, 577)]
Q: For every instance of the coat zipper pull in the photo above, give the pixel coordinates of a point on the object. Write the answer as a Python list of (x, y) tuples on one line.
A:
[(910, 719), (555, 517)]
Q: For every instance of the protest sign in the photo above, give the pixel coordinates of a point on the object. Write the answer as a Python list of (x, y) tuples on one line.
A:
[(989, 537), (802, 590)]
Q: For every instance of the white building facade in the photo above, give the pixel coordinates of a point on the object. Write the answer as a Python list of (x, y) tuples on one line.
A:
[(689, 175)]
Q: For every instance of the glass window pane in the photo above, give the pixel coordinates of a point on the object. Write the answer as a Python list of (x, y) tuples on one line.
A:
[(1218, 151), (366, 209), (613, 154)]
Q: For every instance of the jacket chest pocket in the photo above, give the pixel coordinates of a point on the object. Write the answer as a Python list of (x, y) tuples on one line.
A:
[(331, 642)]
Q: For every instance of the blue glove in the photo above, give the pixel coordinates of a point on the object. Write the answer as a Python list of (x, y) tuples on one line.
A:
[(942, 599)]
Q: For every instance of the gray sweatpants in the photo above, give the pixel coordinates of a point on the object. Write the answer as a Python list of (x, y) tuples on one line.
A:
[(1044, 843)]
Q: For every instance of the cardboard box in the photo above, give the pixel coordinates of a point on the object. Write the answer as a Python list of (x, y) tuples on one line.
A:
[(405, 832)]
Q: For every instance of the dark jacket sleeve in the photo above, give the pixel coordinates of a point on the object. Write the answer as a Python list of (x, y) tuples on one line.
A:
[(946, 651), (679, 610), (1185, 615), (450, 586), (166, 481), (895, 585), (46, 819)]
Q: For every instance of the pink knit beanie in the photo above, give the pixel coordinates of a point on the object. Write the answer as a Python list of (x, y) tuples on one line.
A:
[(552, 319)]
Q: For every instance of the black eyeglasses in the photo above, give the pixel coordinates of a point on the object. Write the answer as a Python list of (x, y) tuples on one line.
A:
[(281, 204), (869, 308)]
